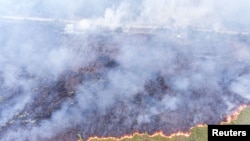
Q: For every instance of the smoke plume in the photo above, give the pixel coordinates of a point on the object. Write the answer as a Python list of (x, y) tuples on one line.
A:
[(110, 68)]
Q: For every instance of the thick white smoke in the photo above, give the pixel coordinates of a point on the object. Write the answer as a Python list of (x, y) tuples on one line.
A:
[(108, 68)]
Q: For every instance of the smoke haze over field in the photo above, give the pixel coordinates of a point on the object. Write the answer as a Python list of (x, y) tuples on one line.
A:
[(221, 14), (109, 68)]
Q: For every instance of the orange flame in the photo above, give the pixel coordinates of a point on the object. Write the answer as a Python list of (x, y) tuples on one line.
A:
[(159, 133), (229, 119), (232, 117)]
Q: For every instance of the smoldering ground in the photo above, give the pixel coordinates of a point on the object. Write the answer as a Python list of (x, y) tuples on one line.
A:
[(99, 79)]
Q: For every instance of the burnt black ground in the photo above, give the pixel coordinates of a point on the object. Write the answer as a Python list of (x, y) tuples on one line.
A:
[(145, 110)]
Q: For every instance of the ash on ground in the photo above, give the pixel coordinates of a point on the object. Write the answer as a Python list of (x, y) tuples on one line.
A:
[(55, 86)]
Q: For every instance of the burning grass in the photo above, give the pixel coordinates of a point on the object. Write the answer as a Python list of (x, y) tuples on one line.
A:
[(198, 133)]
